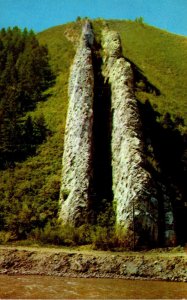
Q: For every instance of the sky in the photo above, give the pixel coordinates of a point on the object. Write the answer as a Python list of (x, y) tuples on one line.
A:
[(170, 15)]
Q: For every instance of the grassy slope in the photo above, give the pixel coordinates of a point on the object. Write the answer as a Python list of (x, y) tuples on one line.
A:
[(161, 57)]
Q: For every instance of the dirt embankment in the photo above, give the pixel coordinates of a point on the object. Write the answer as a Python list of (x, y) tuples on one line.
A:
[(63, 262)]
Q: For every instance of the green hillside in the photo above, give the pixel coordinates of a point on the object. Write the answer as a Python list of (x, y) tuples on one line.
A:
[(29, 192)]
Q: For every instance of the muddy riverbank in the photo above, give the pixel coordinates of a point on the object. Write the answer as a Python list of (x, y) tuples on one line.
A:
[(152, 265)]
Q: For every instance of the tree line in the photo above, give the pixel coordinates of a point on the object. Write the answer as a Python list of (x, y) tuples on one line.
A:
[(24, 75)]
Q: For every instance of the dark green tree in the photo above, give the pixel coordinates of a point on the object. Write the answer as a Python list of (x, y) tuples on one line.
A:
[(25, 75)]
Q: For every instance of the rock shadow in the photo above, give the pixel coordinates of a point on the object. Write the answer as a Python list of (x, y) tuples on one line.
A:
[(141, 81), (165, 149), (102, 195)]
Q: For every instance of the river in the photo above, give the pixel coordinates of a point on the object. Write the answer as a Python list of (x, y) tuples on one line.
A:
[(47, 287)]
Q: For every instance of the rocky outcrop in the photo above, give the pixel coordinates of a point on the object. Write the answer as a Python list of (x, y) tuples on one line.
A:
[(77, 169), (135, 196)]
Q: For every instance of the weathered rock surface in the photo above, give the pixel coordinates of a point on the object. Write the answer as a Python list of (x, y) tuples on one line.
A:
[(77, 170), (135, 196)]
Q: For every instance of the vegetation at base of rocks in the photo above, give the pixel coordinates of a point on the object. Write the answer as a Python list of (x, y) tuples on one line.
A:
[(29, 189), (101, 236), (96, 236)]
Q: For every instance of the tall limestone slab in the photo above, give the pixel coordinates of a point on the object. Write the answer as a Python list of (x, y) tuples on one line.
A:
[(136, 200), (135, 197), (77, 160)]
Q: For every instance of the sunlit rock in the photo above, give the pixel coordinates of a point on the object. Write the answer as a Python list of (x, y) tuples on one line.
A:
[(76, 166), (135, 195), (138, 201)]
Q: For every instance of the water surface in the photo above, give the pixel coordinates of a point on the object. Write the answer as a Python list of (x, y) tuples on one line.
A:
[(47, 287)]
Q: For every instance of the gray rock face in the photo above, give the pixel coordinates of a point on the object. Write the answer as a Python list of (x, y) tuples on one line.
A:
[(87, 33), (76, 169), (135, 196)]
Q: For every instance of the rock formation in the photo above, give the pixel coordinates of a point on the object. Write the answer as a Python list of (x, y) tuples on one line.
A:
[(76, 169), (135, 194)]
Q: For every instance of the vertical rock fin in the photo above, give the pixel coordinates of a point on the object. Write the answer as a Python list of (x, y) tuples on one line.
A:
[(76, 165), (135, 195)]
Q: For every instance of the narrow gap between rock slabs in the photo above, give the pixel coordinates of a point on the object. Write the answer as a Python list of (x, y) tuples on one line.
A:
[(102, 195)]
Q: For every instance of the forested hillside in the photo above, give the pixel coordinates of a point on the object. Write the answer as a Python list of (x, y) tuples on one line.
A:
[(25, 75), (33, 105)]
